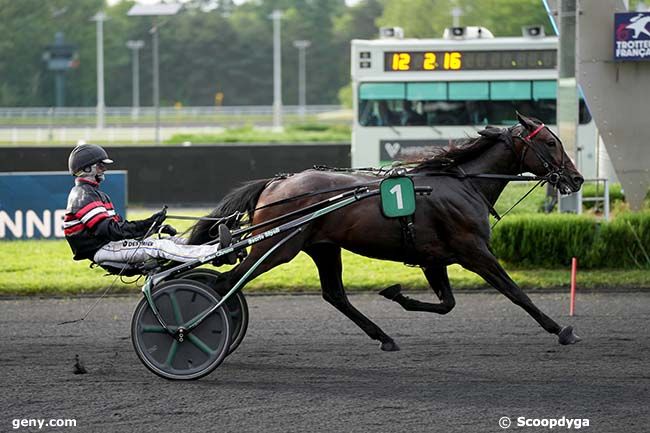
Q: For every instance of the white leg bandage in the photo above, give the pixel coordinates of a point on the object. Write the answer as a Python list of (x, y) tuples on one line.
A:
[(133, 251)]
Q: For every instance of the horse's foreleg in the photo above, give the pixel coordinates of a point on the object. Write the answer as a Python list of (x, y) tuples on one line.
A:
[(486, 265), (439, 282), (327, 258)]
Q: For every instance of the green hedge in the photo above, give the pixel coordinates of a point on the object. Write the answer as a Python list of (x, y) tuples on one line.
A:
[(552, 240)]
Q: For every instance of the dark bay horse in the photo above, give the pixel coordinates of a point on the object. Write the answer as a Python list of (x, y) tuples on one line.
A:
[(451, 225)]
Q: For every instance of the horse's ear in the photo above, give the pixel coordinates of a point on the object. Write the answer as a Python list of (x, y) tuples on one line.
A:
[(525, 121)]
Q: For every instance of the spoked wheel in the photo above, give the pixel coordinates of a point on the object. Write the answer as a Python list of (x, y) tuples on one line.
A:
[(202, 349), (237, 305)]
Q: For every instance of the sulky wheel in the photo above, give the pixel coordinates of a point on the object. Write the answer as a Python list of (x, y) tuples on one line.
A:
[(202, 349), (237, 305)]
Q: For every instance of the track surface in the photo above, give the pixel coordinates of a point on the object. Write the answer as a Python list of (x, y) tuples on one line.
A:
[(304, 367)]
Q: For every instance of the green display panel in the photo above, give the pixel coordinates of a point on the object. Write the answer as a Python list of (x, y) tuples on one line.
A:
[(397, 197)]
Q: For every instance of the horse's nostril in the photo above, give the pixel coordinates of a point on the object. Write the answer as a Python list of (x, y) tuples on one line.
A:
[(578, 180)]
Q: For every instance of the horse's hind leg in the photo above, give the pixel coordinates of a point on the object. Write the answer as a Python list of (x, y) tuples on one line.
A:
[(439, 282), (328, 261), (486, 265)]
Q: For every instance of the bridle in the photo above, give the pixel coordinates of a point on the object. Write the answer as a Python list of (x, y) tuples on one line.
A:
[(554, 174)]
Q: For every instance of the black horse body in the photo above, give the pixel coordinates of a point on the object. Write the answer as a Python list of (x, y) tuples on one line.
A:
[(451, 225)]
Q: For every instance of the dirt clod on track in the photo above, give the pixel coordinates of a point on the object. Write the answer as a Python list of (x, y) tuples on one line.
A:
[(304, 367)]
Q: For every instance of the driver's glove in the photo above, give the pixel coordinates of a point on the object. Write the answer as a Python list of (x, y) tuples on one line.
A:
[(168, 230)]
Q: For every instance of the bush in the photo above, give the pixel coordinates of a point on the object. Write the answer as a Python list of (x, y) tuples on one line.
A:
[(552, 240), (624, 243), (345, 96), (309, 127)]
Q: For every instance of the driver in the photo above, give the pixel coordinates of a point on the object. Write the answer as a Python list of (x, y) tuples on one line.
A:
[(96, 232)]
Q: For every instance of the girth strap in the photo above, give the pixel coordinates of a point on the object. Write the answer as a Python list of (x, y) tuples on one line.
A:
[(408, 240)]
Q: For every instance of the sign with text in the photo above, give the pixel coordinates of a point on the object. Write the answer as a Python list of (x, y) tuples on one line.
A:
[(632, 36), (32, 205)]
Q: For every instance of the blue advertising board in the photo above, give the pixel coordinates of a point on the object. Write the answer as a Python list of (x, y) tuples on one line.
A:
[(32, 205), (632, 36)]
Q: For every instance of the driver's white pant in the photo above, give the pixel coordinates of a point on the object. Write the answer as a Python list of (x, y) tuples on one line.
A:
[(134, 251)]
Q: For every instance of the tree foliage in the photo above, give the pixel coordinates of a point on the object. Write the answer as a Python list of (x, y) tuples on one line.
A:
[(219, 46), (429, 18)]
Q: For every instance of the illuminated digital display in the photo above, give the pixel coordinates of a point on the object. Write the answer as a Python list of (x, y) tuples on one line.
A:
[(409, 61)]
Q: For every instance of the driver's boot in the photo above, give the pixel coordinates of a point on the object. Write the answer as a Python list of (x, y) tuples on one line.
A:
[(225, 240)]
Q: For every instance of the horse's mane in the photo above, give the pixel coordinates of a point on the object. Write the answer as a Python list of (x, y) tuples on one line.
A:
[(461, 151)]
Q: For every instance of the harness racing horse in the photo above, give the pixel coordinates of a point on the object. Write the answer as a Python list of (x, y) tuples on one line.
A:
[(451, 225)]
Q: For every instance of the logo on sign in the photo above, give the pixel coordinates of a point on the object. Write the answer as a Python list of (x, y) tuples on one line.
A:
[(632, 36), (391, 150)]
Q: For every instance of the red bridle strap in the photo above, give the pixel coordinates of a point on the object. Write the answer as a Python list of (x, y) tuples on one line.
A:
[(535, 132)]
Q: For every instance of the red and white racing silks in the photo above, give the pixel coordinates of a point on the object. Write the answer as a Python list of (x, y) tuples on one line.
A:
[(88, 216), (87, 207)]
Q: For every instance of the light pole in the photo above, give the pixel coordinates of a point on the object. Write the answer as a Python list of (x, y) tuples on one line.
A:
[(135, 47), (456, 13), (276, 16), (302, 46), (155, 10), (100, 17), (156, 77)]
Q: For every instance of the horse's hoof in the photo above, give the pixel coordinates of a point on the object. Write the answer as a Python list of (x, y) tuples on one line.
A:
[(391, 292), (567, 336), (389, 346)]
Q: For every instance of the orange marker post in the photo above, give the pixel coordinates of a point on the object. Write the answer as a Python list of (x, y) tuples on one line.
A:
[(574, 271)]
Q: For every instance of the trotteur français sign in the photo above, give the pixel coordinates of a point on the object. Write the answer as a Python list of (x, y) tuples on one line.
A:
[(632, 36)]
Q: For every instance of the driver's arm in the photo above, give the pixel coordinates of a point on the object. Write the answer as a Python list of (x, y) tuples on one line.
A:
[(113, 230), (116, 231)]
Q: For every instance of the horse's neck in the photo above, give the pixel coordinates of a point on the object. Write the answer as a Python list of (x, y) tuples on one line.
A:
[(498, 159)]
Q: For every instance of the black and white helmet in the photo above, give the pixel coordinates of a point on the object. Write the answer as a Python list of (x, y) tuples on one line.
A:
[(85, 156)]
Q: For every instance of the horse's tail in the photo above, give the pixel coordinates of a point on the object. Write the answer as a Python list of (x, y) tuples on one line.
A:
[(242, 199)]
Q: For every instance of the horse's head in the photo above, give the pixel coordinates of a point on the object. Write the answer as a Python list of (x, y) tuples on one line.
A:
[(541, 153)]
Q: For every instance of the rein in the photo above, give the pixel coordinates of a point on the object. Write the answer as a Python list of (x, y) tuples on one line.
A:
[(459, 175), (552, 177)]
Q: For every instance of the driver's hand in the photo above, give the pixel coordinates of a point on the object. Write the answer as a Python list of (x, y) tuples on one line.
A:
[(159, 217), (168, 230)]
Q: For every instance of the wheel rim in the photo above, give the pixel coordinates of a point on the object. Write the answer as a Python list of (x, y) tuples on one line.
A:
[(202, 350), (236, 304)]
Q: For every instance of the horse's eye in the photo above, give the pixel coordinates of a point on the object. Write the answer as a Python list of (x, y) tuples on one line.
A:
[(550, 143)]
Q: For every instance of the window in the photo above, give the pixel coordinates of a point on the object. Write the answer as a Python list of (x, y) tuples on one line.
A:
[(378, 91), (426, 91), (470, 91), (459, 103), (510, 90)]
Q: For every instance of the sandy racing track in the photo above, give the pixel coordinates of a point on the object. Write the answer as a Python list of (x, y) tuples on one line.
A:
[(304, 367)]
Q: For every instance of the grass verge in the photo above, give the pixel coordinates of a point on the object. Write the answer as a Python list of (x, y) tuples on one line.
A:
[(46, 268), (300, 133)]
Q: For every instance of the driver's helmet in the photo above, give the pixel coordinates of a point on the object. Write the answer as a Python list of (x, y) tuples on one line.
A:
[(82, 160)]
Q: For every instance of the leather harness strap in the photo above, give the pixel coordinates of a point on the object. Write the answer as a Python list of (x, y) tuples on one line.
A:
[(535, 132), (408, 240)]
